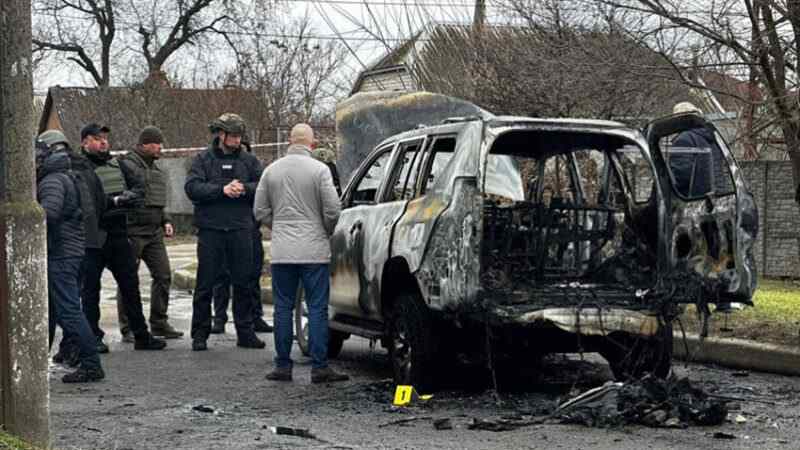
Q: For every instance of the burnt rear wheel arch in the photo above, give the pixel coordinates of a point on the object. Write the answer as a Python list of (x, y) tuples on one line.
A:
[(396, 281)]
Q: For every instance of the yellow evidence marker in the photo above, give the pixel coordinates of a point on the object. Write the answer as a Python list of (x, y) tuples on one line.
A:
[(404, 395)]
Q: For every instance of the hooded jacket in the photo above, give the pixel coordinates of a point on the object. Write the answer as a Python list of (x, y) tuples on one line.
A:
[(210, 172), (57, 192), (296, 198)]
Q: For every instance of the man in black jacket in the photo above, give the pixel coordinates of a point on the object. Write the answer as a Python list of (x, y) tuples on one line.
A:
[(110, 248), (222, 288), (222, 184), (58, 193)]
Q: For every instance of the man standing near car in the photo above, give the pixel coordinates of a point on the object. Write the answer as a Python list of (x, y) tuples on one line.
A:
[(147, 227), (221, 184), (297, 200), (111, 248)]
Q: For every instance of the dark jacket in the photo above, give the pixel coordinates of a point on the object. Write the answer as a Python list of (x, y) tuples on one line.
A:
[(211, 170), (147, 220), (114, 220), (84, 169), (59, 196), (693, 171)]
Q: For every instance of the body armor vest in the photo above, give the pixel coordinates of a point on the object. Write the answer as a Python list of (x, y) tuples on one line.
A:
[(155, 183), (111, 177)]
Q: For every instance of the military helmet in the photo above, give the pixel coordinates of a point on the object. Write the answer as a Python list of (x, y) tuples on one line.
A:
[(52, 137), (323, 154), (229, 123)]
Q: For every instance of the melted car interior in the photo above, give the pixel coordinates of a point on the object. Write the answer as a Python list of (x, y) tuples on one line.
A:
[(563, 207)]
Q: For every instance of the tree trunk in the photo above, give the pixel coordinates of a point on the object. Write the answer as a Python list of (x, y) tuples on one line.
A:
[(23, 285)]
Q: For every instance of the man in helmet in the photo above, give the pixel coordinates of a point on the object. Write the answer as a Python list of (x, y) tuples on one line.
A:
[(222, 287), (221, 184), (58, 192)]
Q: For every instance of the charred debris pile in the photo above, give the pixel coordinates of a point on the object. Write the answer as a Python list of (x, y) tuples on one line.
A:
[(650, 401)]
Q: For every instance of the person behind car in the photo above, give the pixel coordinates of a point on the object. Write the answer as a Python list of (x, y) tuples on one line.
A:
[(297, 200), (221, 184), (58, 193), (692, 170)]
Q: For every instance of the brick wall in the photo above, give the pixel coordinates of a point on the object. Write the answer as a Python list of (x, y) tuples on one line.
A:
[(777, 250)]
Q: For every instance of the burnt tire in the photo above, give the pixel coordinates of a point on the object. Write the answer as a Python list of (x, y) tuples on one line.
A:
[(335, 338), (301, 328), (413, 344), (631, 356), (336, 342)]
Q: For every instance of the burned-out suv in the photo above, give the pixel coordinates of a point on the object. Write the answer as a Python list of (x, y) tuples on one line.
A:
[(531, 236)]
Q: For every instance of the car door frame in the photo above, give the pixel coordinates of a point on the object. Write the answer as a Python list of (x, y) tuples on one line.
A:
[(348, 282), (685, 214)]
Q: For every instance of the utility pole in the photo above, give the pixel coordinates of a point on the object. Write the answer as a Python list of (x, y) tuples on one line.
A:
[(23, 258), (479, 16)]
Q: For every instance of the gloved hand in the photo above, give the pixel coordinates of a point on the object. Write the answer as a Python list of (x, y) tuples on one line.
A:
[(129, 199)]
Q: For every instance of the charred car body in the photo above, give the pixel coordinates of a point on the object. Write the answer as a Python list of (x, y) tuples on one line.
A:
[(532, 236)]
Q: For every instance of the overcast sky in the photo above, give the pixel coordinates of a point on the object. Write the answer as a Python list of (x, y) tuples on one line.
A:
[(360, 25)]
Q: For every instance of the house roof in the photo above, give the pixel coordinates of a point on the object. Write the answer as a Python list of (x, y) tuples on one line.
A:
[(182, 114)]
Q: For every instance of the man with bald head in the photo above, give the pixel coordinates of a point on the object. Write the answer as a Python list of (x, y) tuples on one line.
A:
[(296, 199)]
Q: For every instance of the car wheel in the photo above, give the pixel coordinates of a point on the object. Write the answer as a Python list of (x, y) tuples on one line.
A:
[(301, 323), (413, 343), (336, 342), (631, 356)]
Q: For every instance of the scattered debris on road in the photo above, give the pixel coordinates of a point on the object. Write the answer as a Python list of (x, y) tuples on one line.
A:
[(203, 409), (721, 435), (650, 401), (443, 424), (405, 421), (288, 431)]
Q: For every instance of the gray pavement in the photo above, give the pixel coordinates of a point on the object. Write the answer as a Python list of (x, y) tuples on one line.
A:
[(150, 400)]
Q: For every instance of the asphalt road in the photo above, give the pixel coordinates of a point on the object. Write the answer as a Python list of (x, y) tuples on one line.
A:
[(149, 400)]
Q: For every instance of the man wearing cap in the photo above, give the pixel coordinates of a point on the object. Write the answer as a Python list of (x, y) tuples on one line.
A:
[(147, 227), (58, 192), (221, 184), (110, 247), (296, 199)]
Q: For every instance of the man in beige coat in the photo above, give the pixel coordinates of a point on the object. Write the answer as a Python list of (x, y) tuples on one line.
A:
[(296, 199)]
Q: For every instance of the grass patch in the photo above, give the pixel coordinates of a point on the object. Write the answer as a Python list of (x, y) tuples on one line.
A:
[(775, 318), (8, 442)]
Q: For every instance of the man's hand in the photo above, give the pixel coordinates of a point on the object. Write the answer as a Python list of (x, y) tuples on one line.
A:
[(128, 199), (234, 189), (169, 230)]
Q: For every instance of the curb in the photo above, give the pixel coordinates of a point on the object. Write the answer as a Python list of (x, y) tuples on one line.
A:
[(738, 354), (185, 279)]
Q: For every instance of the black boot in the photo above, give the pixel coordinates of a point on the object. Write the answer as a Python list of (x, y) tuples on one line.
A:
[(84, 375), (261, 326), (250, 341), (146, 341)]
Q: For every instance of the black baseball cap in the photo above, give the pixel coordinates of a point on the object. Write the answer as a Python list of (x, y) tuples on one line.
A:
[(93, 129)]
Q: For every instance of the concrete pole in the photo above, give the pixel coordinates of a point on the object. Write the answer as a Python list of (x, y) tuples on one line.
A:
[(24, 389)]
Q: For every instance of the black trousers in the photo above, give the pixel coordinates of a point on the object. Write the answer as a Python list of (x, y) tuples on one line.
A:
[(222, 288), (218, 250), (117, 255)]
